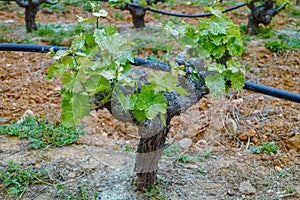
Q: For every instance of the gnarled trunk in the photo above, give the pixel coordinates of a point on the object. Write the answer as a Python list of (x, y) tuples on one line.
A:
[(138, 15), (153, 132), (31, 9), (138, 12), (261, 14)]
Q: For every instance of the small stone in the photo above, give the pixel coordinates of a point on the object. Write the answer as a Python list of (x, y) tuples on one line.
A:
[(185, 143), (26, 114), (229, 192), (277, 168), (178, 136), (261, 98), (238, 102), (247, 188), (99, 190), (231, 126), (202, 142), (50, 93), (255, 140), (58, 88), (293, 143), (72, 175)]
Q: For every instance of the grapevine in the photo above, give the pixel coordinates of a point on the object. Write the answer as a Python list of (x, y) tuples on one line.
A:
[(99, 63), (217, 39)]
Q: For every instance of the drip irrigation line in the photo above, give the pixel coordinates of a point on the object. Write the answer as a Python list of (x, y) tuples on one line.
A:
[(272, 92), (185, 15), (155, 65)]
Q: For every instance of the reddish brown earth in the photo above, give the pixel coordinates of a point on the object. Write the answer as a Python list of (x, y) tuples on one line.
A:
[(98, 160)]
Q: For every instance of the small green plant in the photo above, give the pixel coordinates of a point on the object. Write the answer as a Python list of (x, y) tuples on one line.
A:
[(208, 154), (276, 46), (172, 150), (289, 189), (17, 179), (265, 33), (202, 171), (271, 147), (59, 7), (81, 193), (128, 148), (282, 173), (41, 133), (218, 40), (155, 192), (186, 158), (119, 15)]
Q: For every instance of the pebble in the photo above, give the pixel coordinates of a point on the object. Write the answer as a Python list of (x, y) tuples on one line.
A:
[(247, 188), (231, 126), (277, 168), (185, 143)]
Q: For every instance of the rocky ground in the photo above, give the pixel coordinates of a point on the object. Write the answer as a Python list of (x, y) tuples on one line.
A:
[(217, 132)]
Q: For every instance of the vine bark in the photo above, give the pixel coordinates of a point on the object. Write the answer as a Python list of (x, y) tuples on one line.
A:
[(153, 132), (31, 9), (261, 14)]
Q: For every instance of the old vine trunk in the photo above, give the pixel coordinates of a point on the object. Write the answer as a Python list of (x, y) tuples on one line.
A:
[(261, 14), (153, 132), (31, 9)]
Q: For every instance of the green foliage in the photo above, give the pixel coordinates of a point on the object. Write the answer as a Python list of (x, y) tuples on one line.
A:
[(155, 192), (172, 150), (128, 148), (40, 133), (99, 62), (217, 39), (265, 33), (59, 7), (208, 154), (276, 46), (17, 179), (271, 147), (81, 193), (202, 171), (186, 158), (289, 189)]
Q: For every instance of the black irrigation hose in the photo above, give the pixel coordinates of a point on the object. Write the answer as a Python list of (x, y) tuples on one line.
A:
[(185, 15), (272, 92), (45, 49), (156, 65)]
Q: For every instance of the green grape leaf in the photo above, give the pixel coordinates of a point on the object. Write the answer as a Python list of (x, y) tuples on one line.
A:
[(237, 81), (69, 80), (151, 103), (124, 100), (83, 20), (96, 84), (115, 44), (165, 82), (215, 26), (215, 84), (216, 67), (139, 115), (159, 105), (235, 66), (74, 107), (215, 51), (234, 46), (61, 53), (216, 39), (78, 42)]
